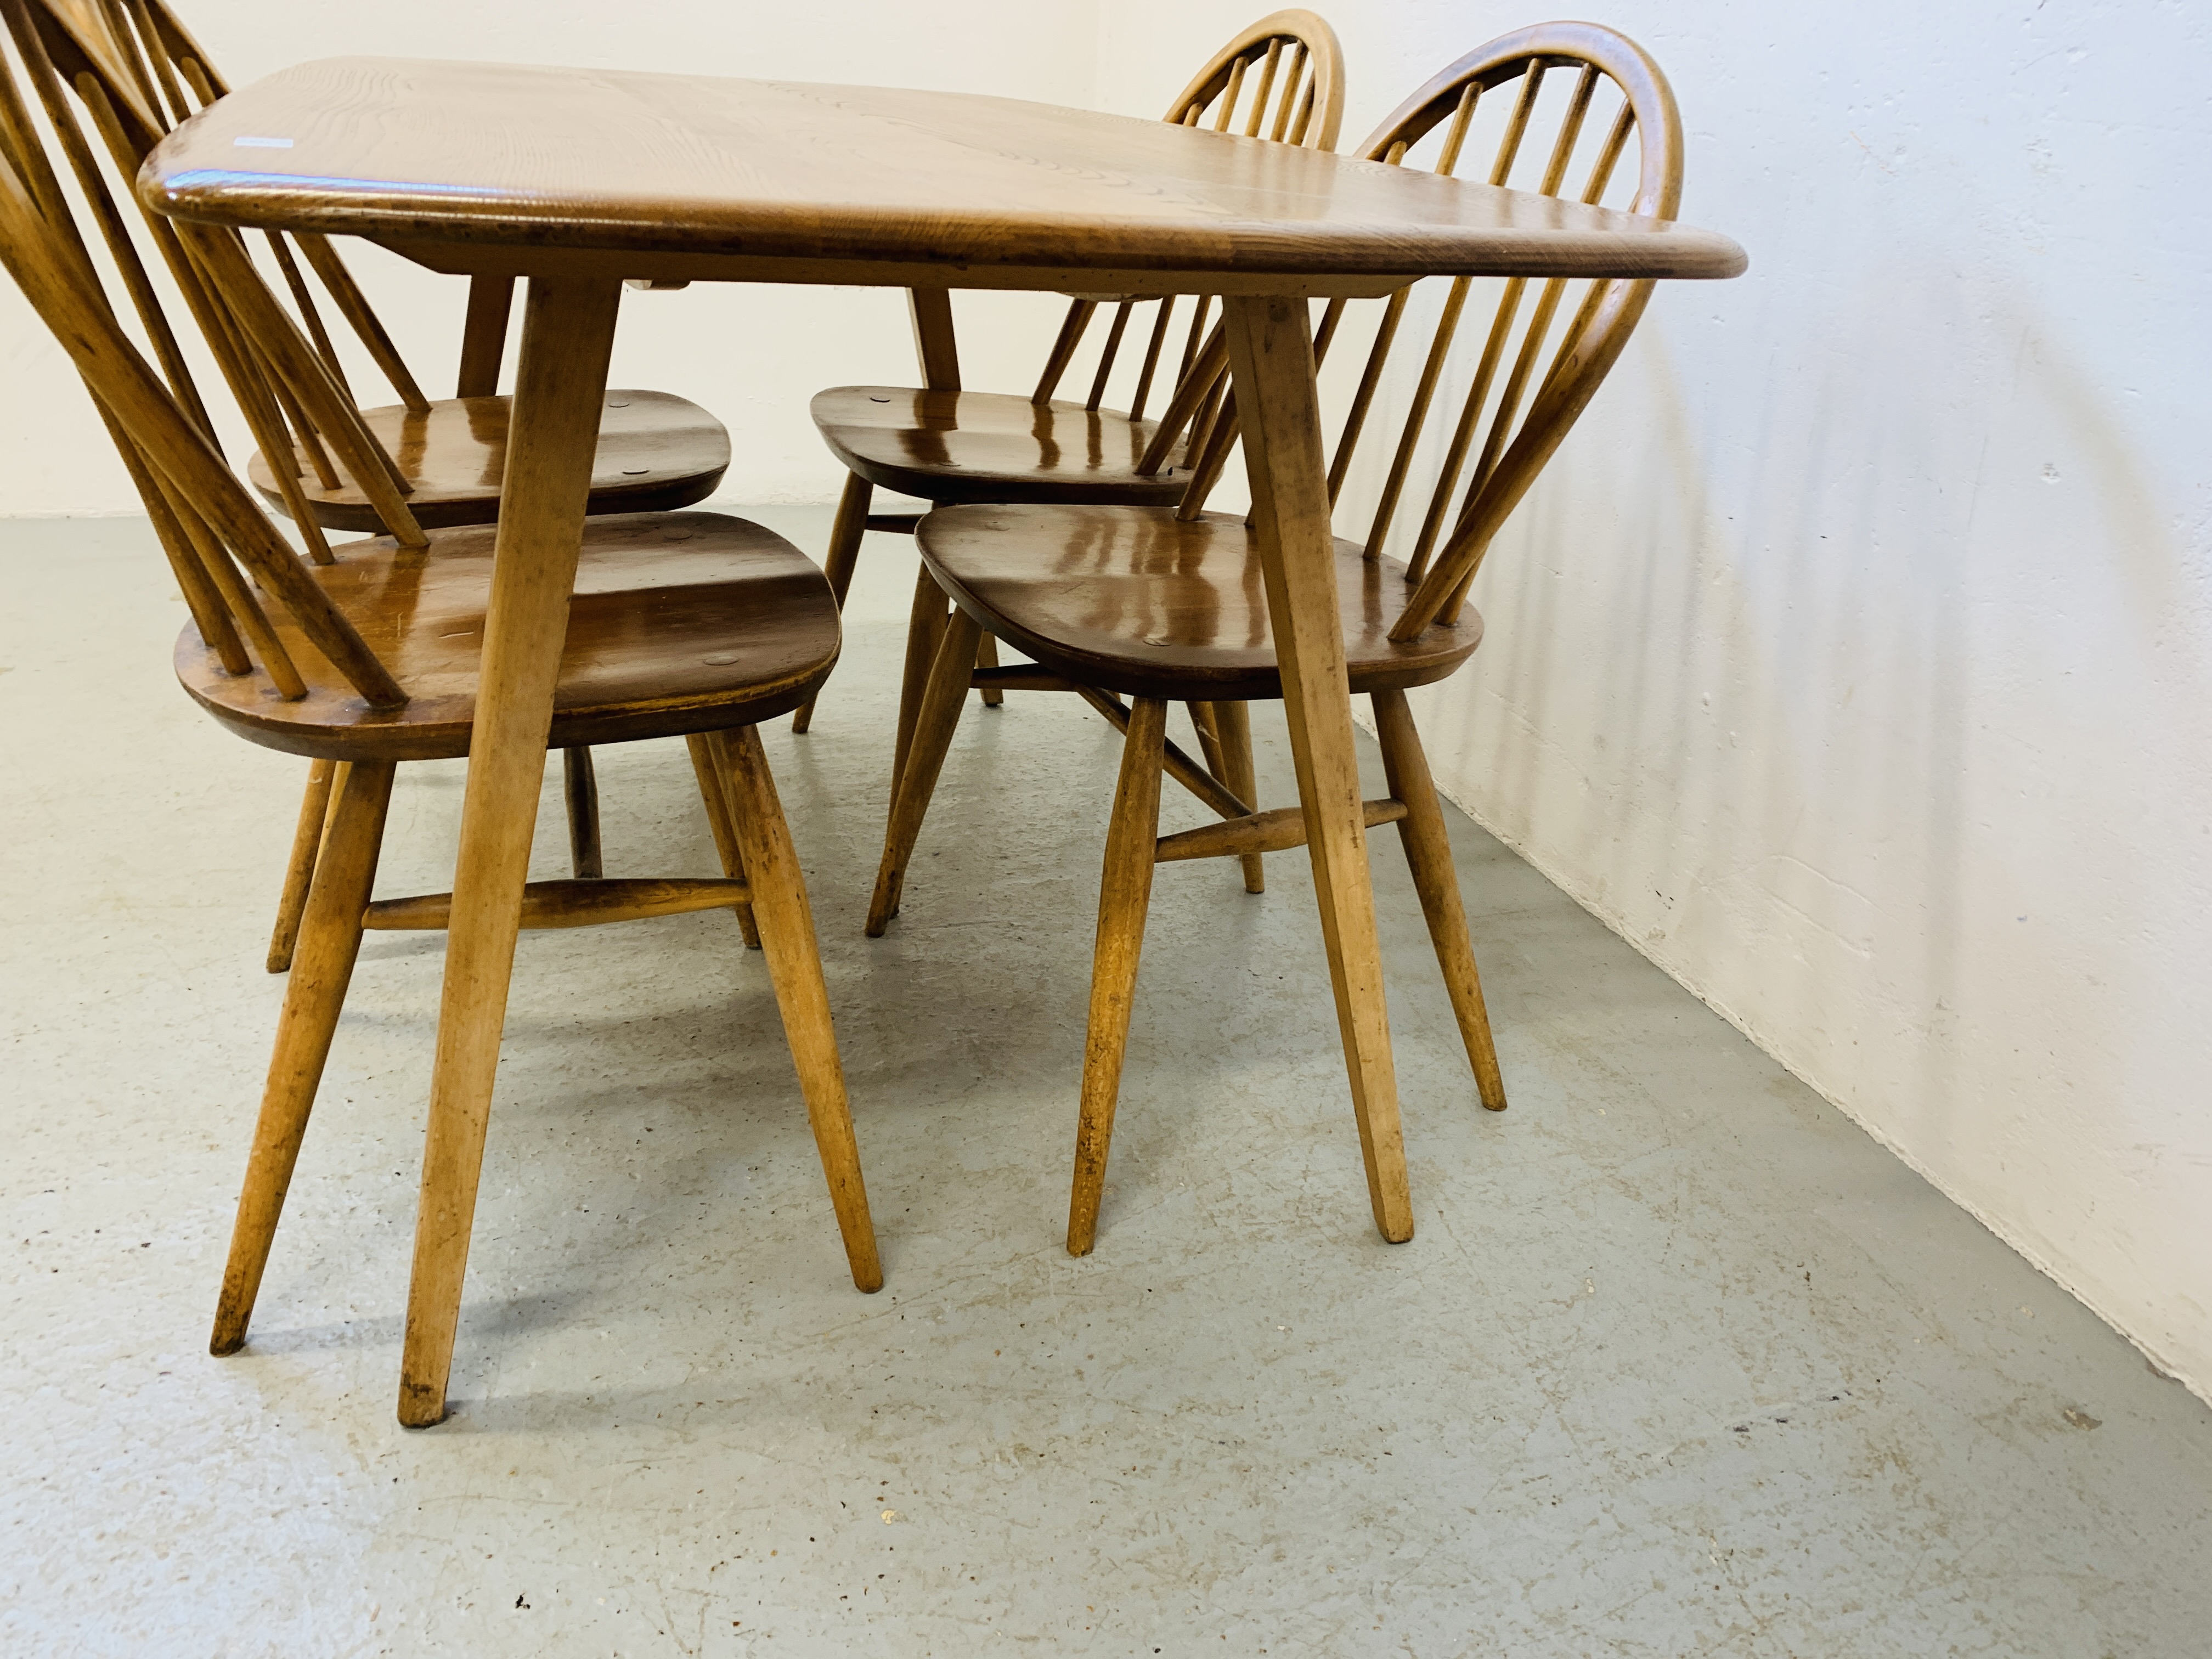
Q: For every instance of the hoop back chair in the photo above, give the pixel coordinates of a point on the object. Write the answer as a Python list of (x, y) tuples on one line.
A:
[(683, 623), (1282, 80), (1154, 603), (322, 459)]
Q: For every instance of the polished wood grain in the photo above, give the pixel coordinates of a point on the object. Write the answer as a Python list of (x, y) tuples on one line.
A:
[(982, 446), (1146, 604), (687, 622), (836, 184), (655, 452)]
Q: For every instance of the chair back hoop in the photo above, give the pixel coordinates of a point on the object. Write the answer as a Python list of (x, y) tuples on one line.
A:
[(1558, 46), (1300, 67), (1292, 67), (1517, 404), (209, 524)]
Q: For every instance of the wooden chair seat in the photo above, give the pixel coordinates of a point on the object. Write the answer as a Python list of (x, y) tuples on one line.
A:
[(950, 446), (657, 452), (1138, 601), (681, 622)]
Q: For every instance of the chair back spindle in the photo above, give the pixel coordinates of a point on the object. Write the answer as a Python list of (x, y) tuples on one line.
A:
[(1530, 380), (1292, 68), (219, 542), (128, 66)]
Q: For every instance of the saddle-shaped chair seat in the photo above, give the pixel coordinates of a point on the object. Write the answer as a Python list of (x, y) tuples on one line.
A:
[(1138, 601), (681, 622), (657, 452), (950, 447)]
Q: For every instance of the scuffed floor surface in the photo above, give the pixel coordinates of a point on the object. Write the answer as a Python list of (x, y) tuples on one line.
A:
[(1679, 1362)]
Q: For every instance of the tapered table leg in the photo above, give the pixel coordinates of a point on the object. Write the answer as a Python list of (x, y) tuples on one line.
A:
[(568, 330), (1271, 357)]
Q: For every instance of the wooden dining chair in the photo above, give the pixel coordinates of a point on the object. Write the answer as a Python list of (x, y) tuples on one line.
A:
[(1282, 80), (687, 624), (1155, 603), (325, 460)]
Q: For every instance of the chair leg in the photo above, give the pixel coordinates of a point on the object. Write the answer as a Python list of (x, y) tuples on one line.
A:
[(845, 534), (330, 939), (714, 795), (580, 787), (1270, 354), (924, 626), (794, 965), (1124, 894), (1428, 851), (937, 718), (1203, 721), (987, 656), (299, 870), (1234, 721)]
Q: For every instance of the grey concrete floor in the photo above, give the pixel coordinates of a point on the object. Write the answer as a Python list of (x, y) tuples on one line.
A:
[(1679, 1362)]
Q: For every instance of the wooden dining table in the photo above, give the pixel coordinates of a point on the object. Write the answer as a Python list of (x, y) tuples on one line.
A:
[(579, 180)]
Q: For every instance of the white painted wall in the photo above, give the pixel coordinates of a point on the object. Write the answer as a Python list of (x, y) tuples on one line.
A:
[(1855, 659)]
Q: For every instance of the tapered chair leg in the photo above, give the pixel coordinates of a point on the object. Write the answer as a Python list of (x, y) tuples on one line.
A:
[(299, 869), (1428, 851), (1203, 721), (987, 656), (794, 964), (1124, 894), (937, 719), (579, 787), (845, 534), (714, 795), (1233, 721), (330, 939), (925, 627)]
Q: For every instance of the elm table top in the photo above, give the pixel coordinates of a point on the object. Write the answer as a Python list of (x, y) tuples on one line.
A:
[(490, 166)]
